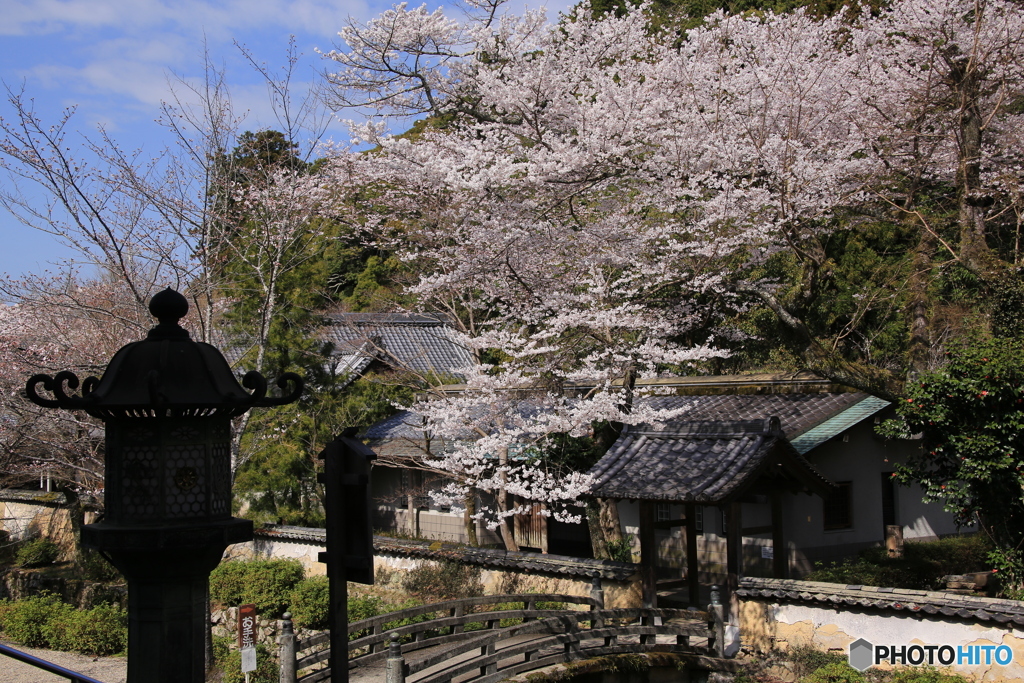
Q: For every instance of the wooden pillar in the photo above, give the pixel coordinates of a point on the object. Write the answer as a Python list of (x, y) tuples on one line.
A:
[(734, 547), (780, 553), (692, 558), (648, 555)]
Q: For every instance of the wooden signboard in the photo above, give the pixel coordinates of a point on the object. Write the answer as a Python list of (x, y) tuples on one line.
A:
[(247, 624)]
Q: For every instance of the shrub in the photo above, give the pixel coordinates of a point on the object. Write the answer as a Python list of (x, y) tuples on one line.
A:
[(37, 552), (621, 550), (268, 584), (866, 573), (229, 662), (45, 621), (835, 673), (365, 606), (925, 674), (310, 603), (102, 630), (922, 565), (26, 621), (444, 581), (807, 659)]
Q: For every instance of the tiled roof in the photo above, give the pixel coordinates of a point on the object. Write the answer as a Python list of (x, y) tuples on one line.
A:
[(536, 563), (705, 462), (951, 605), (414, 342), (404, 424), (720, 443), (798, 413), (838, 424)]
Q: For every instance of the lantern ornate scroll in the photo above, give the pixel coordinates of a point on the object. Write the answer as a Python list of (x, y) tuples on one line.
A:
[(167, 403)]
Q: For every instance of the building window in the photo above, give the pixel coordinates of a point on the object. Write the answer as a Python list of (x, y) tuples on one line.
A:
[(699, 516), (837, 510), (662, 512)]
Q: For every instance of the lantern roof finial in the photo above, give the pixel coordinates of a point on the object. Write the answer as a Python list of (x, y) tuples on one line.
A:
[(168, 307)]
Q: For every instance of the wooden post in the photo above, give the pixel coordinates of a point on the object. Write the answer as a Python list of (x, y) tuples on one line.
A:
[(286, 653), (648, 555), (734, 549), (780, 554), (692, 559), (394, 667)]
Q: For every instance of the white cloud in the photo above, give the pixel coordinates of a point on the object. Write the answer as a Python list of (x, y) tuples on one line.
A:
[(39, 17)]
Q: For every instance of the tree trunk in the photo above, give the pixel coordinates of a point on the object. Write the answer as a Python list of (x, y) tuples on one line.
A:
[(470, 522), (506, 522)]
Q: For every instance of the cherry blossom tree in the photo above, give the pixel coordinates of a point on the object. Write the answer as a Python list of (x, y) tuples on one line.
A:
[(594, 199)]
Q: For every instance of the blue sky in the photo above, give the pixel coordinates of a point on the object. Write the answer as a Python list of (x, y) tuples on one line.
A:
[(114, 60)]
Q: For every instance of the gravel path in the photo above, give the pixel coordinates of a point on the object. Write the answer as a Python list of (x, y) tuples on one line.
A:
[(106, 669)]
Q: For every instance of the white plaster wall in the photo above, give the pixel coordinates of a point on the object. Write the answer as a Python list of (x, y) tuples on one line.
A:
[(831, 628)]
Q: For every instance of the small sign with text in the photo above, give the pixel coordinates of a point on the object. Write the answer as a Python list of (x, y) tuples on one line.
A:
[(247, 621)]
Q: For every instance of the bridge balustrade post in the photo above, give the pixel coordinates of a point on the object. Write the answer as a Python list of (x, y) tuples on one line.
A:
[(394, 668), (286, 651), (647, 619), (597, 591), (492, 668), (572, 646), (597, 595), (377, 630), (457, 611)]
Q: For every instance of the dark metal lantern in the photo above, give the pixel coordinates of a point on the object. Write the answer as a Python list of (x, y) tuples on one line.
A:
[(167, 403)]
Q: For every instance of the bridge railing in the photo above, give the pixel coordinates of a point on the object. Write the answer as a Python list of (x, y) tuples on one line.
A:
[(463, 626), (44, 665)]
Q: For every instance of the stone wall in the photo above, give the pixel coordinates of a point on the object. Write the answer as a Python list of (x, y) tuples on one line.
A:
[(28, 514), (501, 571), (224, 623), (16, 584)]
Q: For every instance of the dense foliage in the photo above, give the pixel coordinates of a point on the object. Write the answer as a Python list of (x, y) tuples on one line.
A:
[(970, 416), (265, 583), (45, 621), (37, 552)]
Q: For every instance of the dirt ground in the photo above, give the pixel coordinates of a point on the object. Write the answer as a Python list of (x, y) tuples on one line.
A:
[(106, 669)]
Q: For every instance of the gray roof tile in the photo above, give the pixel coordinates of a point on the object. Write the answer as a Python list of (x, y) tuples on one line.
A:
[(720, 443), (415, 342), (885, 599)]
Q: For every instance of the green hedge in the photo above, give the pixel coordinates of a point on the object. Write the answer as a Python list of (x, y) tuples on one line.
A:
[(44, 621), (268, 584)]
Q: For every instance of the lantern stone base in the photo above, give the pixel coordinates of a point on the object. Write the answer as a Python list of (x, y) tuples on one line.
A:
[(167, 570)]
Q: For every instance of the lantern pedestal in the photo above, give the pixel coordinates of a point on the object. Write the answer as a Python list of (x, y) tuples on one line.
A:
[(168, 572)]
